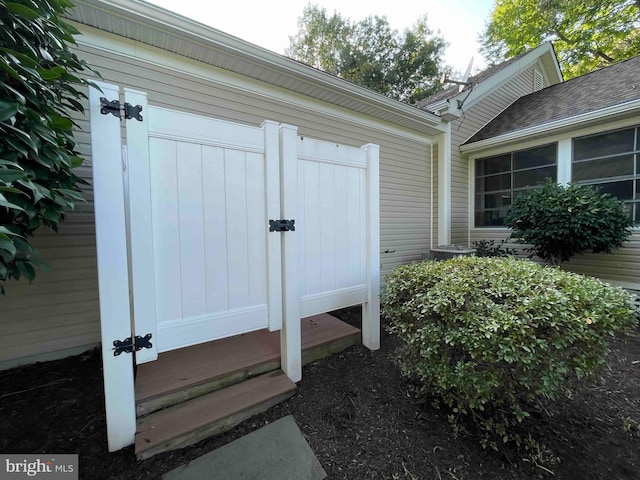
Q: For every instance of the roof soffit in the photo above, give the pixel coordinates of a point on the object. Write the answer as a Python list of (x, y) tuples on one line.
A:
[(152, 25)]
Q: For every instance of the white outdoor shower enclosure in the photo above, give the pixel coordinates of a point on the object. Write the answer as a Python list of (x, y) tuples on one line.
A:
[(207, 229)]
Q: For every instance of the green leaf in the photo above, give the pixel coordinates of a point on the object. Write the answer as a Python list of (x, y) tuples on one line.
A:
[(76, 161), (7, 245), (22, 10), (5, 231), (5, 203), (8, 110), (27, 270), (61, 123), (49, 74), (10, 176)]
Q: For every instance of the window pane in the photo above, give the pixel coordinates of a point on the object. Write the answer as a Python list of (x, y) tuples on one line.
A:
[(535, 157), (491, 218), (493, 183), (602, 145), (493, 200), (620, 190), (490, 165), (533, 177), (603, 168)]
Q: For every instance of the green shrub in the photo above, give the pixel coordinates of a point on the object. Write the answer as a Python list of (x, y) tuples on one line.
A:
[(490, 337), (39, 89), (561, 221), (488, 248)]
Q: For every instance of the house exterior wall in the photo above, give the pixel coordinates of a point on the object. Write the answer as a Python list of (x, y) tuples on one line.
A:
[(622, 267), (470, 122), (61, 309)]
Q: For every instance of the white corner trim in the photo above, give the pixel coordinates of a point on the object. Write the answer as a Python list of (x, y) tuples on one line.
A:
[(563, 161), (444, 187), (564, 123)]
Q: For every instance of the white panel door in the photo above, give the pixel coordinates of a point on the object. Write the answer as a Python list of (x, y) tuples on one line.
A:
[(208, 221)]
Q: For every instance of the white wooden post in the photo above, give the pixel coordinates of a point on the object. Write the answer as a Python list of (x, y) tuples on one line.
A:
[(140, 228), (274, 240), (290, 339), (371, 309), (113, 277)]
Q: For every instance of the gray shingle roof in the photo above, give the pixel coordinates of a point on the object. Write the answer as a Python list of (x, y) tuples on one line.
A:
[(613, 85)]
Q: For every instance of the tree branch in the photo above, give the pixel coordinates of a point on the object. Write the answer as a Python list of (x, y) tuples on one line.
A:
[(596, 51)]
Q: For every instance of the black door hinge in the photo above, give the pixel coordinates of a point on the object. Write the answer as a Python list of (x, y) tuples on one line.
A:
[(282, 225), (113, 107), (128, 345)]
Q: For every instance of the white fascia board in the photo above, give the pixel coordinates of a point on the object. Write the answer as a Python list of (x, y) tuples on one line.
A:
[(190, 32), (551, 127)]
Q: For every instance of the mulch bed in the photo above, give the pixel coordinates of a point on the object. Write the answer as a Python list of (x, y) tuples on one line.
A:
[(359, 417)]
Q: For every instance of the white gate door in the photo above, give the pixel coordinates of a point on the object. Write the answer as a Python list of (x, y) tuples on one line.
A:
[(198, 214)]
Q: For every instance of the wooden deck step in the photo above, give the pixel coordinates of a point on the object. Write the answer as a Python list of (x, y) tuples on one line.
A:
[(181, 375), (211, 414)]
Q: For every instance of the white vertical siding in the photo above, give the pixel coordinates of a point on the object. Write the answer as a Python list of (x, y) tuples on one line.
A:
[(60, 310)]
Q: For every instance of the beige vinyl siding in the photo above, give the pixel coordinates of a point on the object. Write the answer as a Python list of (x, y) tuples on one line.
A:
[(471, 121), (61, 310), (621, 267)]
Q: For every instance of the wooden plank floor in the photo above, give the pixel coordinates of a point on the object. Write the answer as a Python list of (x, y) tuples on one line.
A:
[(257, 351)]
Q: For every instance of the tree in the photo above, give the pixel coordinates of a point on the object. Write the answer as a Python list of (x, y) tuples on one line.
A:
[(38, 90), (561, 221), (370, 53), (586, 34)]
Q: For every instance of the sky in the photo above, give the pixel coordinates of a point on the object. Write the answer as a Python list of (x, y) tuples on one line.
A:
[(269, 24)]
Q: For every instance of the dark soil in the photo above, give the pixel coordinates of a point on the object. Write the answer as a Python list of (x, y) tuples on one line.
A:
[(359, 417)]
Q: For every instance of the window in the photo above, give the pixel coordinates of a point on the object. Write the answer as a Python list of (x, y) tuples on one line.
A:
[(611, 161), (502, 178)]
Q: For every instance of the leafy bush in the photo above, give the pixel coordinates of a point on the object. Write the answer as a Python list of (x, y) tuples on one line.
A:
[(488, 248), (491, 337), (561, 221), (38, 90)]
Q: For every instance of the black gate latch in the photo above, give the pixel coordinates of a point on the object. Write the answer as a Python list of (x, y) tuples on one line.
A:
[(129, 346), (282, 225)]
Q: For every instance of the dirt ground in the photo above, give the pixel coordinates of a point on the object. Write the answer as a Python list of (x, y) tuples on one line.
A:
[(357, 414)]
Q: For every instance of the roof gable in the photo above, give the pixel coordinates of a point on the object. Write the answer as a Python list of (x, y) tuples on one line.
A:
[(489, 80), (598, 90)]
